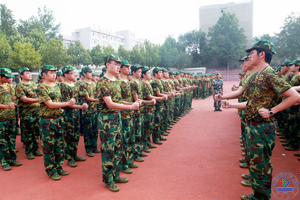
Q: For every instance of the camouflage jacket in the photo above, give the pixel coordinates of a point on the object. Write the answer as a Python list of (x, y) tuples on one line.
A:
[(87, 89), (67, 93), (108, 88), (157, 86), (136, 89), (29, 90), (47, 93), (126, 96), (6, 96), (147, 91), (217, 84)]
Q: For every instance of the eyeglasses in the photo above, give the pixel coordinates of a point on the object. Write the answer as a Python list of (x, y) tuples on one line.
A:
[(118, 65)]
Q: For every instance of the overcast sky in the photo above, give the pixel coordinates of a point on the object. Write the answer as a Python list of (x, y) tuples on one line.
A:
[(152, 20)]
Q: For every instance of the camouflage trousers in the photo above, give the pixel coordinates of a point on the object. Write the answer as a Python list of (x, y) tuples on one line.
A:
[(165, 122), (71, 134), (111, 145), (128, 143), (53, 144), (168, 111), (245, 137), (7, 142), (172, 105), (285, 123), (177, 107), (217, 104), (90, 131), (138, 129), (31, 133), (158, 122), (294, 127), (198, 92), (261, 137), (184, 108), (148, 126)]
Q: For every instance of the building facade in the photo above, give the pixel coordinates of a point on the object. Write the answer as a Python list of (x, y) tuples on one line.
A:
[(209, 16), (90, 37)]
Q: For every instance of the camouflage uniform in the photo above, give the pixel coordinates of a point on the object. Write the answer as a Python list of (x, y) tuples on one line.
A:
[(177, 101), (218, 85), (110, 129), (29, 116), (261, 131), (129, 147), (51, 127), (7, 127), (89, 116), (148, 113), (71, 118), (136, 89)]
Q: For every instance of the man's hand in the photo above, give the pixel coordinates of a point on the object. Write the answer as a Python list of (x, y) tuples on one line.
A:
[(153, 101), (226, 104), (11, 105), (72, 102), (84, 106), (218, 97), (165, 97), (135, 105), (265, 113)]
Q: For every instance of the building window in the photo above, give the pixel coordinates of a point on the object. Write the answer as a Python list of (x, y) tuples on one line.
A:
[(77, 34), (95, 41)]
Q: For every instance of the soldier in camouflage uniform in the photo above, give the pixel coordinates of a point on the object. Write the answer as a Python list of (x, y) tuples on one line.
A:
[(71, 116), (129, 147), (29, 108), (259, 110), (51, 123), (217, 88), (158, 90), (137, 94), (8, 154), (86, 94), (177, 106), (59, 78), (109, 94)]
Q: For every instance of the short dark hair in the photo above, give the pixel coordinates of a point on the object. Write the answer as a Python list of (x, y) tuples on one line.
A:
[(268, 57)]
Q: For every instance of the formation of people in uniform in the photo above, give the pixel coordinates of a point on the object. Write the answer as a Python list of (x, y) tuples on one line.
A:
[(268, 105), (132, 108)]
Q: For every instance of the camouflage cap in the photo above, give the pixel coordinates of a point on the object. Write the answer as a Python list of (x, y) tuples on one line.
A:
[(94, 74), (67, 68), (124, 63), (263, 44), (164, 69), (49, 68), (171, 73), (145, 69), (104, 69), (279, 68), (287, 63), (296, 62), (23, 69), (274, 68), (241, 73), (156, 69), (6, 72), (217, 72), (59, 73), (135, 67), (86, 69), (40, 76), (180, 71), (176, 73), (243, 59), (111, 57)]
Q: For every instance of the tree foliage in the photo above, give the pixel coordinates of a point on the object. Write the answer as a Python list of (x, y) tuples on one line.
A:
[(24, 55), (79, 55), (53, 53), (5, 51), (7, 21), (97, 55), (228, 41), (44, 21)]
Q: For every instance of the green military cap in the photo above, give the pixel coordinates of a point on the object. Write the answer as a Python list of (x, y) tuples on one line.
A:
[(241, 73), (145, 69), (130, 73), (104, 69), (171, 73), (124, 63), (156, 69), (217, 72), (6, 72), (279, 68), (111, 57), (275, 68), (287, 63), (243, 59), (135, 67), (99, 75), (67, 68), (177, 73), (263, 44), (59, 73), (86, 69), (296, 62), (23, 69), (94, 74), (78, 79), (180, 71), (49, 68), (40, 76), (164, 69)]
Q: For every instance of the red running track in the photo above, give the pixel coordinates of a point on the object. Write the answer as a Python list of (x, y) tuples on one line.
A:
[(200, 160)]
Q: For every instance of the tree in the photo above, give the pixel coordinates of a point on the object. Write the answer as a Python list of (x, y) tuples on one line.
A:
[(53, 53), (7, 21), (123, 53), (151, 54), (135, 55), (78, 54), (228, 41), (108, 50), (97, 55), (288, 41), (37, 38), (45, 22), (24, 55), (5, 52), (195, 44)]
